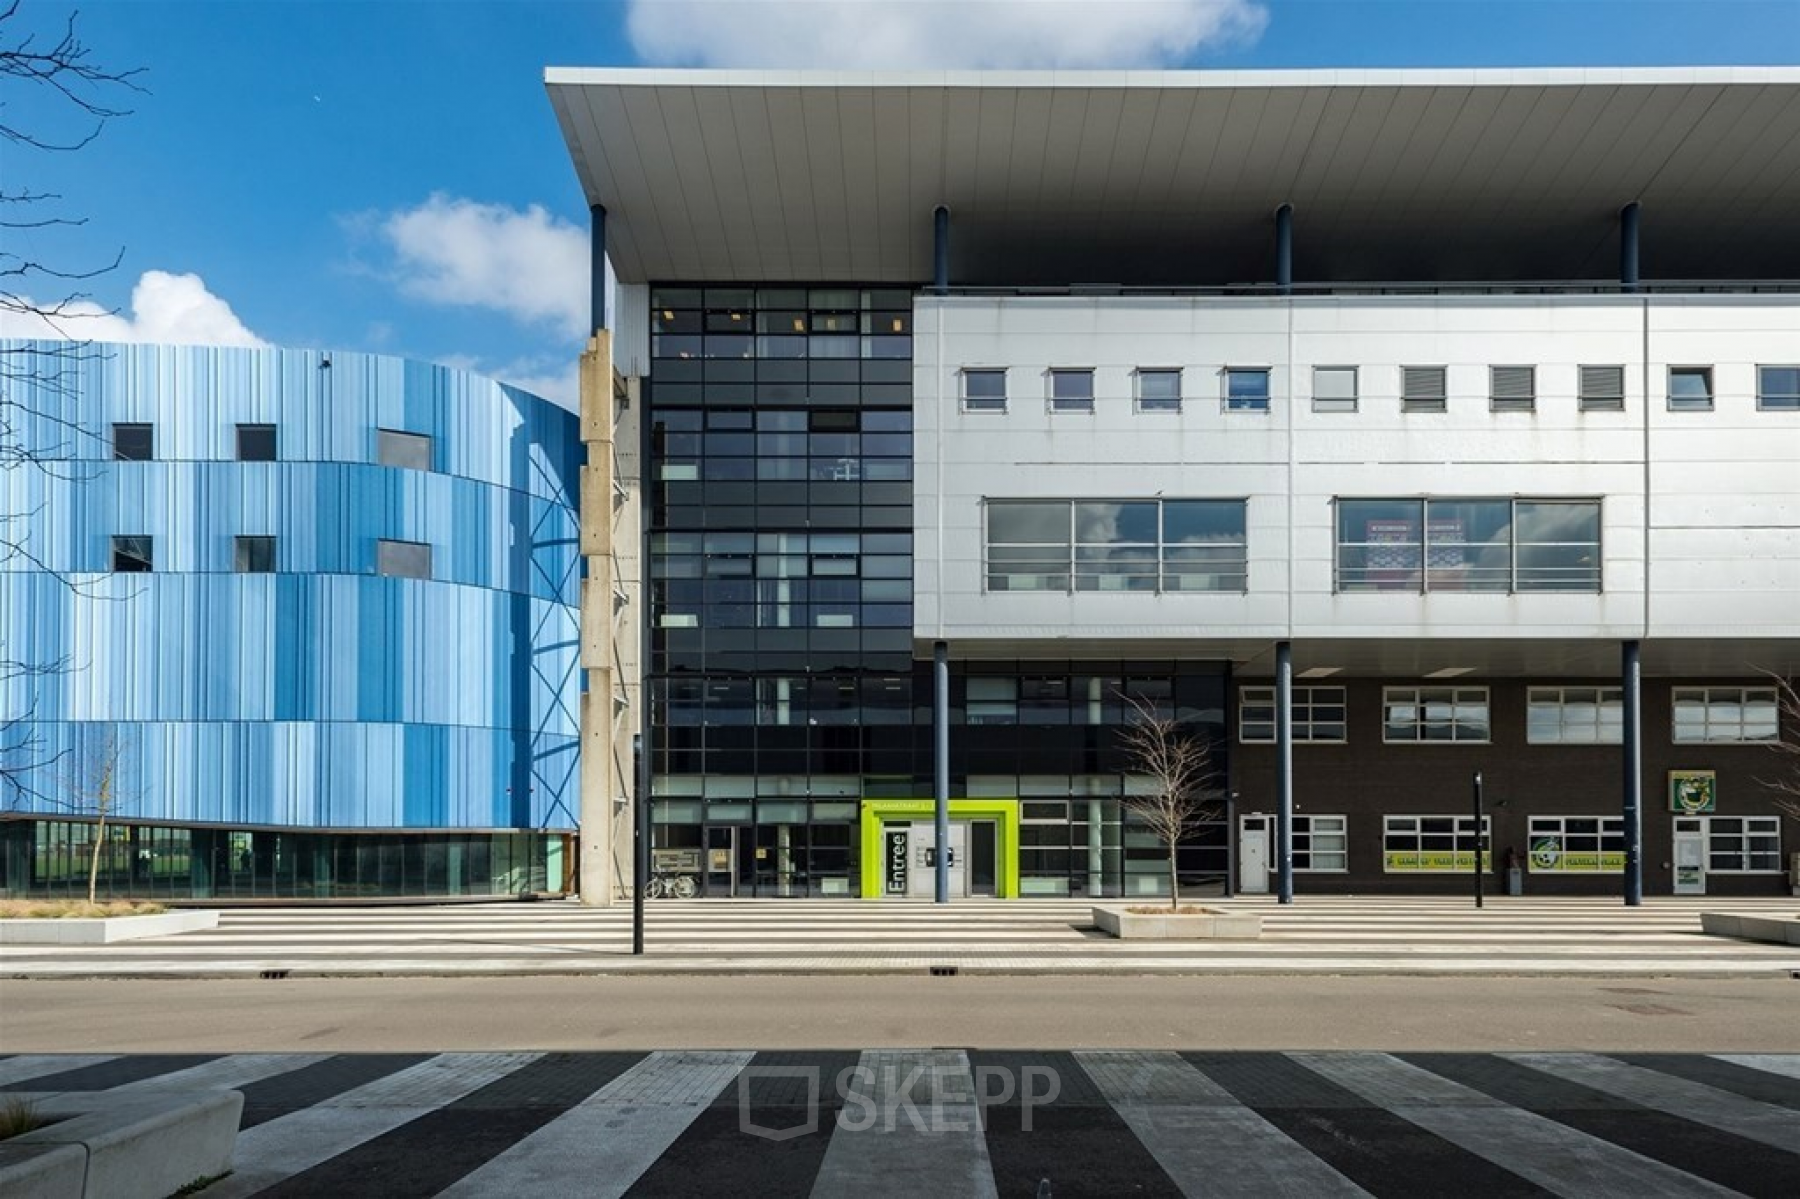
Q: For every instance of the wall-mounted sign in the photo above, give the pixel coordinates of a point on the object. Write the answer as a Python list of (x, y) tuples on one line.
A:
[(1693, 791), (1549, 857), (894, 864), (1407, 861)]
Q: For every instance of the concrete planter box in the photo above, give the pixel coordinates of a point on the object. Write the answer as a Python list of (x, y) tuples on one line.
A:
[(121, 1147), (1209, 925), (1776, 929), (104, 930)]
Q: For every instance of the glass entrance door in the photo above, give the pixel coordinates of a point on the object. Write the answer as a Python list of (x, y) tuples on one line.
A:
[(721, 862)]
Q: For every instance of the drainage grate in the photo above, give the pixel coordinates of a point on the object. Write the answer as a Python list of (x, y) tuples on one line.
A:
[(274, 974), (943, 972)]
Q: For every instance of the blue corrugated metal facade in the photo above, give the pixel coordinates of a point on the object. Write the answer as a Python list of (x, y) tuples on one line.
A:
[(323, 694)]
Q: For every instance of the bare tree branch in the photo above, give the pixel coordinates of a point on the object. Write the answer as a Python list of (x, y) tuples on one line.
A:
[(1785, 782), (1178, 764)]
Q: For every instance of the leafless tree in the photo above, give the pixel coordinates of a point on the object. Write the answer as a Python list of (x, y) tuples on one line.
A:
[(1177, 761), (93, 787), (68, 100), (1785, 785)]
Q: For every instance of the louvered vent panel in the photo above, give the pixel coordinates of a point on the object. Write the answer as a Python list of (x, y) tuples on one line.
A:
[(1602, 387), (1514, 388), (1422, 388)]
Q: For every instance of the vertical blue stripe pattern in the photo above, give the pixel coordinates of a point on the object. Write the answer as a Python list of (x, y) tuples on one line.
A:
[(324, 695)]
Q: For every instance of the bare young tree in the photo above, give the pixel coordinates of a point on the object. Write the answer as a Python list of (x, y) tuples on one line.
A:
[(58, 100), (93, 787), (1178, 763), (1786, 783)]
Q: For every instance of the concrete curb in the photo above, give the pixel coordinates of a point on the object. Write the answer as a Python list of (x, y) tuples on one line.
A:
[(122, 1147), (1774, 929), (105, 930)]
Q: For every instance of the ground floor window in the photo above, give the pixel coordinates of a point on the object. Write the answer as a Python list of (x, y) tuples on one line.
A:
[(1432, 844), (1577, 844), (1321, 844), (51, 859), (1743, 844)]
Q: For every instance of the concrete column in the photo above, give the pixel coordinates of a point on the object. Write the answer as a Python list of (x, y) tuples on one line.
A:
[(1284, 768), (1628, 246), (1284, 248), (940, 760), (599, 780), (1631, 684), (940, 250)]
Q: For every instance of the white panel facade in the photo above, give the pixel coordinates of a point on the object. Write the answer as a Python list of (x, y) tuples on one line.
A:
[(1714, 549)]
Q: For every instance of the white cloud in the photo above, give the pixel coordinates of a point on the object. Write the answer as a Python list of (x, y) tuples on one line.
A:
[(530, 265), (166, 308), (938, 34)]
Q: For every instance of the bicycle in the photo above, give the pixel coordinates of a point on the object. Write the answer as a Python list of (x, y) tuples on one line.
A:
[(665, 885)]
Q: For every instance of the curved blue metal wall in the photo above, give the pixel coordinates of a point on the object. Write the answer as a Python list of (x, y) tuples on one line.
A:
[(323, 695)]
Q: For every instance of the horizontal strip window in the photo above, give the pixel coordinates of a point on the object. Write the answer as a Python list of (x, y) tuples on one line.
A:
[(1713, 715), (1743, 845), (1318, 714), (1434, 715), (1778, 388), (1499, 545), (1576, 845), (1433, 844), (1152, 546), (1574, 716)]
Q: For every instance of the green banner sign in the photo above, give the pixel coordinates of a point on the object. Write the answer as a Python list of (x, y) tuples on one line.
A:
[(1692, 792), (1404, 861)]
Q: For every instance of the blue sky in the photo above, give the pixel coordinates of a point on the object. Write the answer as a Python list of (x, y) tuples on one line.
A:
[(389, 176)]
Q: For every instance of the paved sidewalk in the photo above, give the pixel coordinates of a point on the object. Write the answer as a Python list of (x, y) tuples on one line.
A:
[(1324, 934), (968, 1122)]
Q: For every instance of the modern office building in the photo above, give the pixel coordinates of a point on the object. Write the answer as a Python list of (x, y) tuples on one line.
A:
[(304, 622), (1390, 428)]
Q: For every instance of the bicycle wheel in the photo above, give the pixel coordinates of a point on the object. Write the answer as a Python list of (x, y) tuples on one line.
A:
[(684, 887), (653, 889)]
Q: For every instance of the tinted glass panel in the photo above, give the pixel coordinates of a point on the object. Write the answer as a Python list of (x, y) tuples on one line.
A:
[(409, 451), (134, 443), (256, 443)]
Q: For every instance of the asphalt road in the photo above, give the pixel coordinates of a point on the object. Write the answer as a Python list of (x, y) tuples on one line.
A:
[(872, 1012)]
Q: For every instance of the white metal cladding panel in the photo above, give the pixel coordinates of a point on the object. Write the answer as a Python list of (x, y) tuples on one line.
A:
[(1734, 469)]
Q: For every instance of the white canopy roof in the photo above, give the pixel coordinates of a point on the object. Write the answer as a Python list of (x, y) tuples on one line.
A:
[(1171, 178)]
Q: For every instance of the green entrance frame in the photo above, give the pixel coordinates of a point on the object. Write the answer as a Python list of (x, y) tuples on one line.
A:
[(1003, 812)]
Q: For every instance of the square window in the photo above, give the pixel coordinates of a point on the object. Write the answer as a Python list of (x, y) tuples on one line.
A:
[(134, 442), (133, 554), (1246, 389), (1334, 389), (1159, 390), (984, 390), (1690, 389), (1424, 388), (1512, 388), (403, 559), (1778, 388), (1602, 389), (408, 451), (256, 443), (254, 555), (1071, 390)]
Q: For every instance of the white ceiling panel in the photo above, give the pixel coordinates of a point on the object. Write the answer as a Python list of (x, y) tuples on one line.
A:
[(1171, 178)]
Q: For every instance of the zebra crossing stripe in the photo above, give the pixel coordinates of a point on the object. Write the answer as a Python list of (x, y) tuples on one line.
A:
[(603, 1145), (238, 1070), (1761, 1122), (1771, 1063), (1203, 1138), (1560, 1159), (28, 1066), (301, 1140), (879, 1139)]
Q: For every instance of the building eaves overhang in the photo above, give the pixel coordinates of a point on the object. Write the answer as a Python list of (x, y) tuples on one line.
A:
[(1154, 178)]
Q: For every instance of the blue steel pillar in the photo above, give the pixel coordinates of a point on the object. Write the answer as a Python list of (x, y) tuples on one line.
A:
[(1628, 246), (940, 250), (1284, 768), (1284, 248), (1632, 685), (597, 266), (940, 760)]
